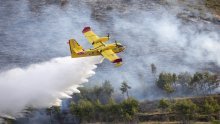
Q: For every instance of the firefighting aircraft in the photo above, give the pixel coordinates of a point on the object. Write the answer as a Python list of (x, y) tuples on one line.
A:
[(108, 51)]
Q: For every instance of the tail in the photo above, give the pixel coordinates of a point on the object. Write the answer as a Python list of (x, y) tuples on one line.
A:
[(75, 48)]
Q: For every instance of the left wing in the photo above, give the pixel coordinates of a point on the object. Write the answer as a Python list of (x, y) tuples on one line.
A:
[(90, 35), (94, 39), (111, 56)]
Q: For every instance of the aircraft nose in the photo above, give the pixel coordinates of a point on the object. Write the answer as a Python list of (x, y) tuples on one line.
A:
[(123, 48)]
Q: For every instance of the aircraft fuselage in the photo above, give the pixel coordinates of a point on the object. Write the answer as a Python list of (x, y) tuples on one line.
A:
[(117, 48)]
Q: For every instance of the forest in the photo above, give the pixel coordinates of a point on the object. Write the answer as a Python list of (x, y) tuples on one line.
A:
[(102, 104)]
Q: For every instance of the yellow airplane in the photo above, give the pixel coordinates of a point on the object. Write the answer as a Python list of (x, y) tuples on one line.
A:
[(108, 51)]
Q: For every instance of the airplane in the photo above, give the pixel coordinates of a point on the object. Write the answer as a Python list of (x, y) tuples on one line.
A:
[(108, 51)]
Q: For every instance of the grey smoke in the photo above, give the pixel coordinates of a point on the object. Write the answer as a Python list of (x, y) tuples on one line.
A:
[(159, 36), (35, 71), (32, 31), (152, 33)]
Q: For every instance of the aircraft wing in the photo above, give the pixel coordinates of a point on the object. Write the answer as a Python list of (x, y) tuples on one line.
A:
[(94, 39), (111, 56), (90, 35)]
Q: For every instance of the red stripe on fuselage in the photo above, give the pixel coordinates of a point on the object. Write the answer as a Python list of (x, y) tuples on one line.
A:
[(80, 53)]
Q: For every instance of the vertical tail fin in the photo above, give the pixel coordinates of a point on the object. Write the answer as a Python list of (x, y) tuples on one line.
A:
[(75, 48)]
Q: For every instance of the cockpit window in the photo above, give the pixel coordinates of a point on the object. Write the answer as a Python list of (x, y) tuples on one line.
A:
[(120, 46)]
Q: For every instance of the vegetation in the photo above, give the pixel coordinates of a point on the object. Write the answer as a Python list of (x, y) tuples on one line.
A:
[(210, 107), (90, 109), (200, 83), (186, 109), (164, 104), (101, 93), (90, 106), (166, 82), (97, 104), (154, 70), (124, 88)]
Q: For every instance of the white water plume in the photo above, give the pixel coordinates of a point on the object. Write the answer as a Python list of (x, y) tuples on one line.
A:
[(43, 84)]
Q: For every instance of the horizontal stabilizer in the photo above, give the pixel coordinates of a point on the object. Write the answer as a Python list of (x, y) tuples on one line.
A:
[(75, 47), (78, 51)]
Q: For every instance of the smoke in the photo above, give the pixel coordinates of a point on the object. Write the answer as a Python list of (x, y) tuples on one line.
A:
[(42, 85), (31, 34), (1, 120), (173, 39), (36, 31), (161, 36)]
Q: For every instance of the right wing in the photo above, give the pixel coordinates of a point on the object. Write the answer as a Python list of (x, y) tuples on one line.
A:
[(111, 56)]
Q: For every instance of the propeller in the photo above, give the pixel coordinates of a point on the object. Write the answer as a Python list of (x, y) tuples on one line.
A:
[(108, 35), (116, 43)]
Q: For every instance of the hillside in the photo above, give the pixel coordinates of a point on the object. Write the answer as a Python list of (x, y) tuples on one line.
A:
[(151, 110), (170, 71)]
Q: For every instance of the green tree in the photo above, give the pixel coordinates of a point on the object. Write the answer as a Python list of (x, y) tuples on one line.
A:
[(97, 90), (164, 105), (154, 71), (84, 110), (113, 111), (204, 82), (166, 82), (174, 79), (98, 111), (129, 109), (211, 107), (213, 83), (102, 93), (124, 88), (86, 93), (107, 91), (184, 80), (186, 109), (54, 112), (208, 109)]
